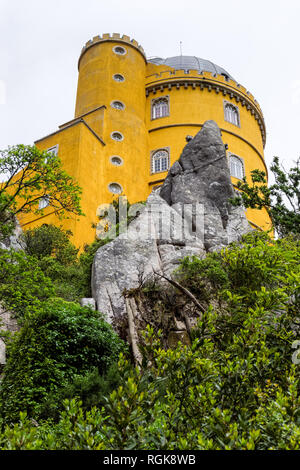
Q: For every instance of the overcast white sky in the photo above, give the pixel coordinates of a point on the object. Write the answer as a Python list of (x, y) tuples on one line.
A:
[(256, 41)]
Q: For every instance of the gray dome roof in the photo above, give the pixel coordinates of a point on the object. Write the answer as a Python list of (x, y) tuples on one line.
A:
[(187, 62)]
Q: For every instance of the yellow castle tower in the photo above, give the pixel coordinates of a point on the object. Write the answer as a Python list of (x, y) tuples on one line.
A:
[(132, 117)]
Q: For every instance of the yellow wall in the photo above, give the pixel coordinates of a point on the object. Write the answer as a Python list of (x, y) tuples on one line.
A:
[(76, 143), (86, 148)]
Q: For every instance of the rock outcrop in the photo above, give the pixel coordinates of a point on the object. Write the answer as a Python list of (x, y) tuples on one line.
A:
[(8, 323), (189, 215), (14, 241)]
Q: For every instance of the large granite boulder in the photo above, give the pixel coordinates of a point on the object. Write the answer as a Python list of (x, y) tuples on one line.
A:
[(201, 175), (153, 243), (189, 215)]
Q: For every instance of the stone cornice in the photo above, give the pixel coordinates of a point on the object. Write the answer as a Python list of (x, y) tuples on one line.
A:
[(211, 85)]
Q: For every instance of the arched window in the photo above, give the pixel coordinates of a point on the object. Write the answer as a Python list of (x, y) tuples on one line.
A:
[(160, 107), (160, 161), (231, 113), (236, 167)]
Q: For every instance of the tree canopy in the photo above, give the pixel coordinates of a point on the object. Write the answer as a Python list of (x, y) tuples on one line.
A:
[(281, 199), (31, 175)]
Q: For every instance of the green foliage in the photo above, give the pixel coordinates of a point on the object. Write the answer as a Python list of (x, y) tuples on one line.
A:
[(61, 341), (235, 387), (281, 199), (50, 240), (31, 174), (23, 284), (93, 387)]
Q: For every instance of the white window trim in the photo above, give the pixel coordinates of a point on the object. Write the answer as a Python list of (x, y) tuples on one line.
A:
[(114, 182), (118, 53), (227, 103), (152, 167), (53, 149), (116, 132), (233, 155), (117, 101), (116, 156), (165, 97), (118, 81)]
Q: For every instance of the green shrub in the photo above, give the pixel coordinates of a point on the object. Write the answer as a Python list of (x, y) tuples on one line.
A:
[(49, 240), (235, 387), (23, 284), (61, 341)]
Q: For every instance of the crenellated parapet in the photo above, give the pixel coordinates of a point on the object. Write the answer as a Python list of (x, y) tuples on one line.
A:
[(176, 79), (115, 37)]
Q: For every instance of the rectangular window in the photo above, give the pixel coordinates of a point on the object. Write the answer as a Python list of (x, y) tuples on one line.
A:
[(53, 150)]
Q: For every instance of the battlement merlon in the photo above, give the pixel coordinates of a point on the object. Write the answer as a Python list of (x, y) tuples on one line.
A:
[(115, 37)]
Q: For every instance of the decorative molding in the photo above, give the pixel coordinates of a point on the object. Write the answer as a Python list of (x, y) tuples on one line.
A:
[(234, 155), (218, 87), (152, 153), (165, 97), (229, 103)]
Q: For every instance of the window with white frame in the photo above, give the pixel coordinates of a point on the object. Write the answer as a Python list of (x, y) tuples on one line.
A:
[(44, 202), (53, 150), (160, 107), (119, 50), (231, 113), (160, 160), (236, 165)]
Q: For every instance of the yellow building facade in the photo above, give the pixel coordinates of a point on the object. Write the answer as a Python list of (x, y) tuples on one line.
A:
[(132, 117)]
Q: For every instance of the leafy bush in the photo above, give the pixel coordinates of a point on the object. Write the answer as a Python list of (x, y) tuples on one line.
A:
[(61, 341), (50, 241), (23, 284), (235, 387)]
